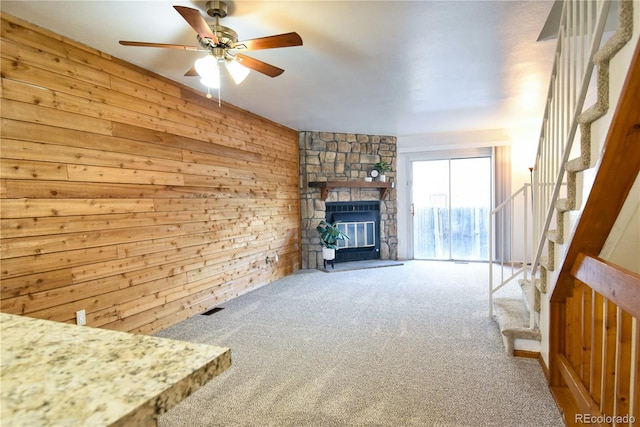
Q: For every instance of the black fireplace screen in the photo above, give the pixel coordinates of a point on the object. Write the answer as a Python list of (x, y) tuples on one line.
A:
[(361, 222), (361, 234)]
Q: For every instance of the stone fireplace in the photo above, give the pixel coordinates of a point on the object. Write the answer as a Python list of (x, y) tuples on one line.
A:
[(368, 209)]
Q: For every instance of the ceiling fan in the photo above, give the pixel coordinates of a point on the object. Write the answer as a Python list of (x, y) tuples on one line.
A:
[(222, 46)]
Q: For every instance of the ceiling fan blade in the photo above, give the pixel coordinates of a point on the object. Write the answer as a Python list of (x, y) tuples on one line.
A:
[(197, 22), (192, 72), (259, 66), (271, 42), (169, 46)]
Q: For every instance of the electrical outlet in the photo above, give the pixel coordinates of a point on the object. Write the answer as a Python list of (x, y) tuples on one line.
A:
[(81, 317)]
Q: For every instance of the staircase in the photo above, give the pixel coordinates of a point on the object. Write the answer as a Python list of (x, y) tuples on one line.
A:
[(564, 172)]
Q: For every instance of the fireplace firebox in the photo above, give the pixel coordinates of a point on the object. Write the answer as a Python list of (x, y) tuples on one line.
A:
[(361, 222)]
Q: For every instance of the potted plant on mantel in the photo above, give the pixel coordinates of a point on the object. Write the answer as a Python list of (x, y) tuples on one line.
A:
[(382, 167), (329, 236)]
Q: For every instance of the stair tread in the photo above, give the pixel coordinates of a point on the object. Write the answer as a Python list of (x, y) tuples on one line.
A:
[(576, 165), (537, 281), (565, 205), (513, 318), (555, 236)]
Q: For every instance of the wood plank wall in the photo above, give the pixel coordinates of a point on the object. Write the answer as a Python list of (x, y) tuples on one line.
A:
[(131, 196)]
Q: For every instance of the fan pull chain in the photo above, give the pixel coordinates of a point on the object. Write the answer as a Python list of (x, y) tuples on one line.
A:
[(220, 85), (209, 96)]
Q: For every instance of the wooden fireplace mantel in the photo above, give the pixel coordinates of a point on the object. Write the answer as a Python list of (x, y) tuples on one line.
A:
[(325, 186)]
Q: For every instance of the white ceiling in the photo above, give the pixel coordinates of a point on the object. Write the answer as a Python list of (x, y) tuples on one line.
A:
[(403, 68)]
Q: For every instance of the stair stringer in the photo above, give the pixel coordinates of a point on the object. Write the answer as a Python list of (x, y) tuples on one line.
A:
[(614, 57)]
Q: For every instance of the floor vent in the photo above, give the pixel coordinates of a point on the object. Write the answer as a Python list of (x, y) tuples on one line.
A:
[(212, 311)]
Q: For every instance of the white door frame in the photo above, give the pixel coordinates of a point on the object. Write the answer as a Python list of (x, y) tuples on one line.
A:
[(405, 198)]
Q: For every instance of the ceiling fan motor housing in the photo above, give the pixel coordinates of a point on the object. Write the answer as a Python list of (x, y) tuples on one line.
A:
[(226, 38), (216, 8)]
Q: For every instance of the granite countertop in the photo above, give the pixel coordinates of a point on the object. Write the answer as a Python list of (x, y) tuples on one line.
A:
[(58, 374)]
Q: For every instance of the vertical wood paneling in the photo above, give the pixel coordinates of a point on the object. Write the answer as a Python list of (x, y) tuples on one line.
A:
[(578, 322), (130, 196), (623, 363), (586, 333), (572, 322), (635, 370), (609, 358), (599, 362), (597, 347)]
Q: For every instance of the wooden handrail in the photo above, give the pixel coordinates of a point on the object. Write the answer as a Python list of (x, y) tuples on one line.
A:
[(617, 284)]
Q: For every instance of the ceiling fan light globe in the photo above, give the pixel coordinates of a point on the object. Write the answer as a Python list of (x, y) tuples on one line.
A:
[(238, 71), (207, 66)]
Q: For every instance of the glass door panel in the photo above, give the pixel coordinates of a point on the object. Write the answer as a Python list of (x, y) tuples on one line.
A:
[(470, 206), (431, 209), (451, 203)]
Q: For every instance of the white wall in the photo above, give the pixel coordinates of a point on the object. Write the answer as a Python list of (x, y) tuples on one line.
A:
[(402, 192), (623, 244), (524, 144)]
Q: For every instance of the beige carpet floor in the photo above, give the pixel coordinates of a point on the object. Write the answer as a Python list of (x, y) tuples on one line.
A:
[(408, 345)]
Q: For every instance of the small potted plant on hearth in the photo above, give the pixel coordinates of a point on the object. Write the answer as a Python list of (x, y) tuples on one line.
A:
[(382, 167), (329, 236)]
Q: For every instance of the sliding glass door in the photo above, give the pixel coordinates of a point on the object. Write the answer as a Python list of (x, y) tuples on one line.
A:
[(451, 204), (430, 209)]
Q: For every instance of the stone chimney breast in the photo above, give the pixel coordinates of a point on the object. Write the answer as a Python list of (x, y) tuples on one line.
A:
[(328, 156)]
